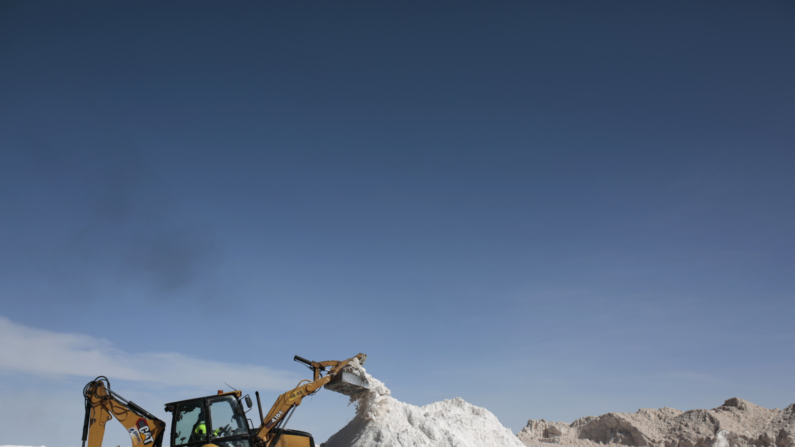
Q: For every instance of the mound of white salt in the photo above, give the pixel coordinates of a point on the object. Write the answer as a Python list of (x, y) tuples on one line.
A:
[(384, 421)]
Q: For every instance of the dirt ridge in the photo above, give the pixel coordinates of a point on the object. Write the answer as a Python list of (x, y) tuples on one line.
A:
[(736, 423)]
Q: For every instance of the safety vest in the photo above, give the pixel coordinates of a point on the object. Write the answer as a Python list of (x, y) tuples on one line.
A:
[(201, 429)]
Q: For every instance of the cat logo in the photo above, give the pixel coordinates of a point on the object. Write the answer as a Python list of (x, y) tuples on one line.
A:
[(143, 429)]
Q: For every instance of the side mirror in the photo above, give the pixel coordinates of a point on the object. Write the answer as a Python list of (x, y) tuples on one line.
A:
[(248, 401)]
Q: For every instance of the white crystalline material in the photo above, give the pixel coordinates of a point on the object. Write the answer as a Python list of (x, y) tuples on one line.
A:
[(721, 440), (383, 421)]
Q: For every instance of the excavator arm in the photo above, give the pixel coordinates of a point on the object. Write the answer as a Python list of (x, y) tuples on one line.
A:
[(288, 401), (102, 405)]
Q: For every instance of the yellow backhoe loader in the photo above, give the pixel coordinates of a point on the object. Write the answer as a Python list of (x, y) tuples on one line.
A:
[(218, 420)]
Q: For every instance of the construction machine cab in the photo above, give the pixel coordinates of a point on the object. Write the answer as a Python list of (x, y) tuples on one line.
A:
[(219, 419)]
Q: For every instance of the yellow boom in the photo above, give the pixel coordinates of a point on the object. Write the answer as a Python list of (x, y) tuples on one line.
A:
[(102, 405), (291, 399)]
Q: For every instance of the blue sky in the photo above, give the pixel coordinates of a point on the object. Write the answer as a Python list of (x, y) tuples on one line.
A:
[(552, 211)]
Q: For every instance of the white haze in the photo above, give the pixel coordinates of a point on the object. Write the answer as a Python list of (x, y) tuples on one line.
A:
[(52, 354)]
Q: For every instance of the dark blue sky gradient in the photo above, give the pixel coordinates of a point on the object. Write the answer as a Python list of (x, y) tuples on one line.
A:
[(549, 210)]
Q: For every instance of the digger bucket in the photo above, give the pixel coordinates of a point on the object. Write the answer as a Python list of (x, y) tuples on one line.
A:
[(347, 383)]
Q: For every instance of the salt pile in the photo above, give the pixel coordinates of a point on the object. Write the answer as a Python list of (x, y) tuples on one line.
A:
[(383, 421), (736, 423)]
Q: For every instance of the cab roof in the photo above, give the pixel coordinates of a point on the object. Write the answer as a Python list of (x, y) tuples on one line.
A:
[(237, 394)]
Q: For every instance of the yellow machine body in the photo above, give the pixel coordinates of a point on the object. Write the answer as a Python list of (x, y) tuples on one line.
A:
[(193, 423)]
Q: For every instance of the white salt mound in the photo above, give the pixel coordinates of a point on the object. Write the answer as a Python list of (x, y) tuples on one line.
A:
[(384, 421)]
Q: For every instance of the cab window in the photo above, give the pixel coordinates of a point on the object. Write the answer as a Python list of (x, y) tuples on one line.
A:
[(227, 417), (189, 423)]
